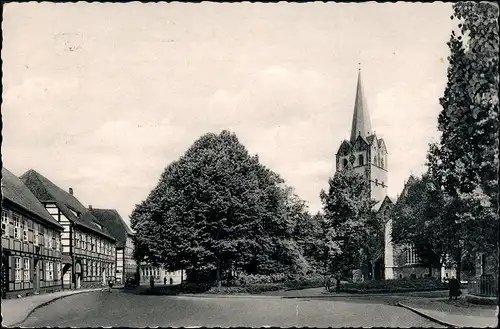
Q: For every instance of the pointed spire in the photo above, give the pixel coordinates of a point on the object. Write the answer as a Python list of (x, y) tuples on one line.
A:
[(361, 124)]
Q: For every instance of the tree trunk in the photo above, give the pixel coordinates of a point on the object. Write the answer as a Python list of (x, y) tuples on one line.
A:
[(219, 283), (430, 269), (459, 269)]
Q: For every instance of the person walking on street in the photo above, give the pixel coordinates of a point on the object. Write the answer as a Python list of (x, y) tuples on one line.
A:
[(454, 287), (110, 285), (337, 279), (152, 282), (171, 281), (327, 283), (165, 281)]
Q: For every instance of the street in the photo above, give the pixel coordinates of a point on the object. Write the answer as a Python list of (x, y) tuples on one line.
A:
[(121, 308)]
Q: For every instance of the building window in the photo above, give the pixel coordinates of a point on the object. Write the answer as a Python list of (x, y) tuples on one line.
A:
[(26, 270), (49, 271), (25, 230), (5, 223), (35, 234), (17, 267), (17, 227), (361, 160), (382, 162), (411, 255), (344, 163), (49, 239)]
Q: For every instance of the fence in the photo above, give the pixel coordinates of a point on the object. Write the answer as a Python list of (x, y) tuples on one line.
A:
[(486, 285)]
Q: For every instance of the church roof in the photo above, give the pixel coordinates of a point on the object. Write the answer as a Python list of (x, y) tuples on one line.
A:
[(361, 124)]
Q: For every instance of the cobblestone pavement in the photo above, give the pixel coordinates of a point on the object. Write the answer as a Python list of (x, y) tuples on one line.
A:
[(121, 308)]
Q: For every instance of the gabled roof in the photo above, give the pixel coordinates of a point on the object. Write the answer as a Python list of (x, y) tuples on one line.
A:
[(46, 191), (361, 125), (14, 190), (114, 223), (345, 148)]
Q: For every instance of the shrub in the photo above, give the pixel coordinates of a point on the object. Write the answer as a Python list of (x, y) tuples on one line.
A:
[(227, 290), (390, 286)]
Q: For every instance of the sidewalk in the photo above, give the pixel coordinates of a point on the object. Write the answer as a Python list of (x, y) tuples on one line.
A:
[(15, 311), (452, 313)]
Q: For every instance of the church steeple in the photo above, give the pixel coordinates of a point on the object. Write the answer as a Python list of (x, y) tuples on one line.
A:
[(361, 124)]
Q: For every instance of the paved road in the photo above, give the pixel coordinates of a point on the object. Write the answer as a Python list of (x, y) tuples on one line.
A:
[(120, 308)]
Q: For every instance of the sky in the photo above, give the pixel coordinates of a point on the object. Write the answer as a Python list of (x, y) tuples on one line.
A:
[(102, 97)]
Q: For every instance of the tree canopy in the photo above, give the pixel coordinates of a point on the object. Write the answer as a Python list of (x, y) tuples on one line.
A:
[(218, 209), (349, 222)]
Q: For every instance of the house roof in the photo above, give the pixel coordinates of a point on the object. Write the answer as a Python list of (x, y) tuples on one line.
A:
[(14, 190), (46, 191), (114, 223)]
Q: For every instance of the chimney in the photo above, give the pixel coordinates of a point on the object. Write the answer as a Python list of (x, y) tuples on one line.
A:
[(90, 207), (71, 190)]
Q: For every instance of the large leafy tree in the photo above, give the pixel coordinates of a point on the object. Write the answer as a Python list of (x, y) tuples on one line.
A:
[(348, 221), (217, 209), (465, 160), (423, 217)]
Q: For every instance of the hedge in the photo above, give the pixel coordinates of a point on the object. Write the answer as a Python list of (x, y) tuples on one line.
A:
[(391, 286)]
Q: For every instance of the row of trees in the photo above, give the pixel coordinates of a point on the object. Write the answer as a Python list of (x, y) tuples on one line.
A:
[(218, 209), (453, 209)]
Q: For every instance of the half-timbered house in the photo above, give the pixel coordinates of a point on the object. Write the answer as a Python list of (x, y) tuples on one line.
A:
[(31, 242), (88, 252), (124, 262)]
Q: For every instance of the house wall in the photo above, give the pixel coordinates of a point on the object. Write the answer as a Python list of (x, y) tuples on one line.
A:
[(159, 274), (31, 255), (90, 257)]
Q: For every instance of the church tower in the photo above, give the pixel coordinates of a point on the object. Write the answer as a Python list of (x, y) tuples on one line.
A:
[(366, 153)]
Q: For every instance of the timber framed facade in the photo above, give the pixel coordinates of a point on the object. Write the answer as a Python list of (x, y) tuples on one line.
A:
[(88, 250), (31, 243)]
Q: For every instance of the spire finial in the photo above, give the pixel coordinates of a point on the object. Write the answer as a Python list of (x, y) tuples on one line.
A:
[(359, 66)]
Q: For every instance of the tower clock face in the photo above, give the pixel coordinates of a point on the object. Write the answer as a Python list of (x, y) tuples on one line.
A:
[(352, 158)]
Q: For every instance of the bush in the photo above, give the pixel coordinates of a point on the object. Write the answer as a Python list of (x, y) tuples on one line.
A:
[(303, 282), (391, 286), (227, 290)]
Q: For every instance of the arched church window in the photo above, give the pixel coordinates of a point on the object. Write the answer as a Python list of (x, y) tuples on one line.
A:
[(344, 163), (382, 162), (375, 160), (361, 160)]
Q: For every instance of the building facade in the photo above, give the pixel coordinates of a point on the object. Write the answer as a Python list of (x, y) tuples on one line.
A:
[(31, 242), (125, 264), (160, 274), (88, 250)]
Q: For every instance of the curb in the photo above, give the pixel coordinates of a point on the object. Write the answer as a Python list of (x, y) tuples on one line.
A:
[(427, 316), (45, 304), (227, 296)]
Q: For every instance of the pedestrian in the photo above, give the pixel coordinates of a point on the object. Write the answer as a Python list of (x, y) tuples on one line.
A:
[(171, 281), (165, 281), (110, 284), (337, 279), (327, 283), (454, 287), (152, 282)]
